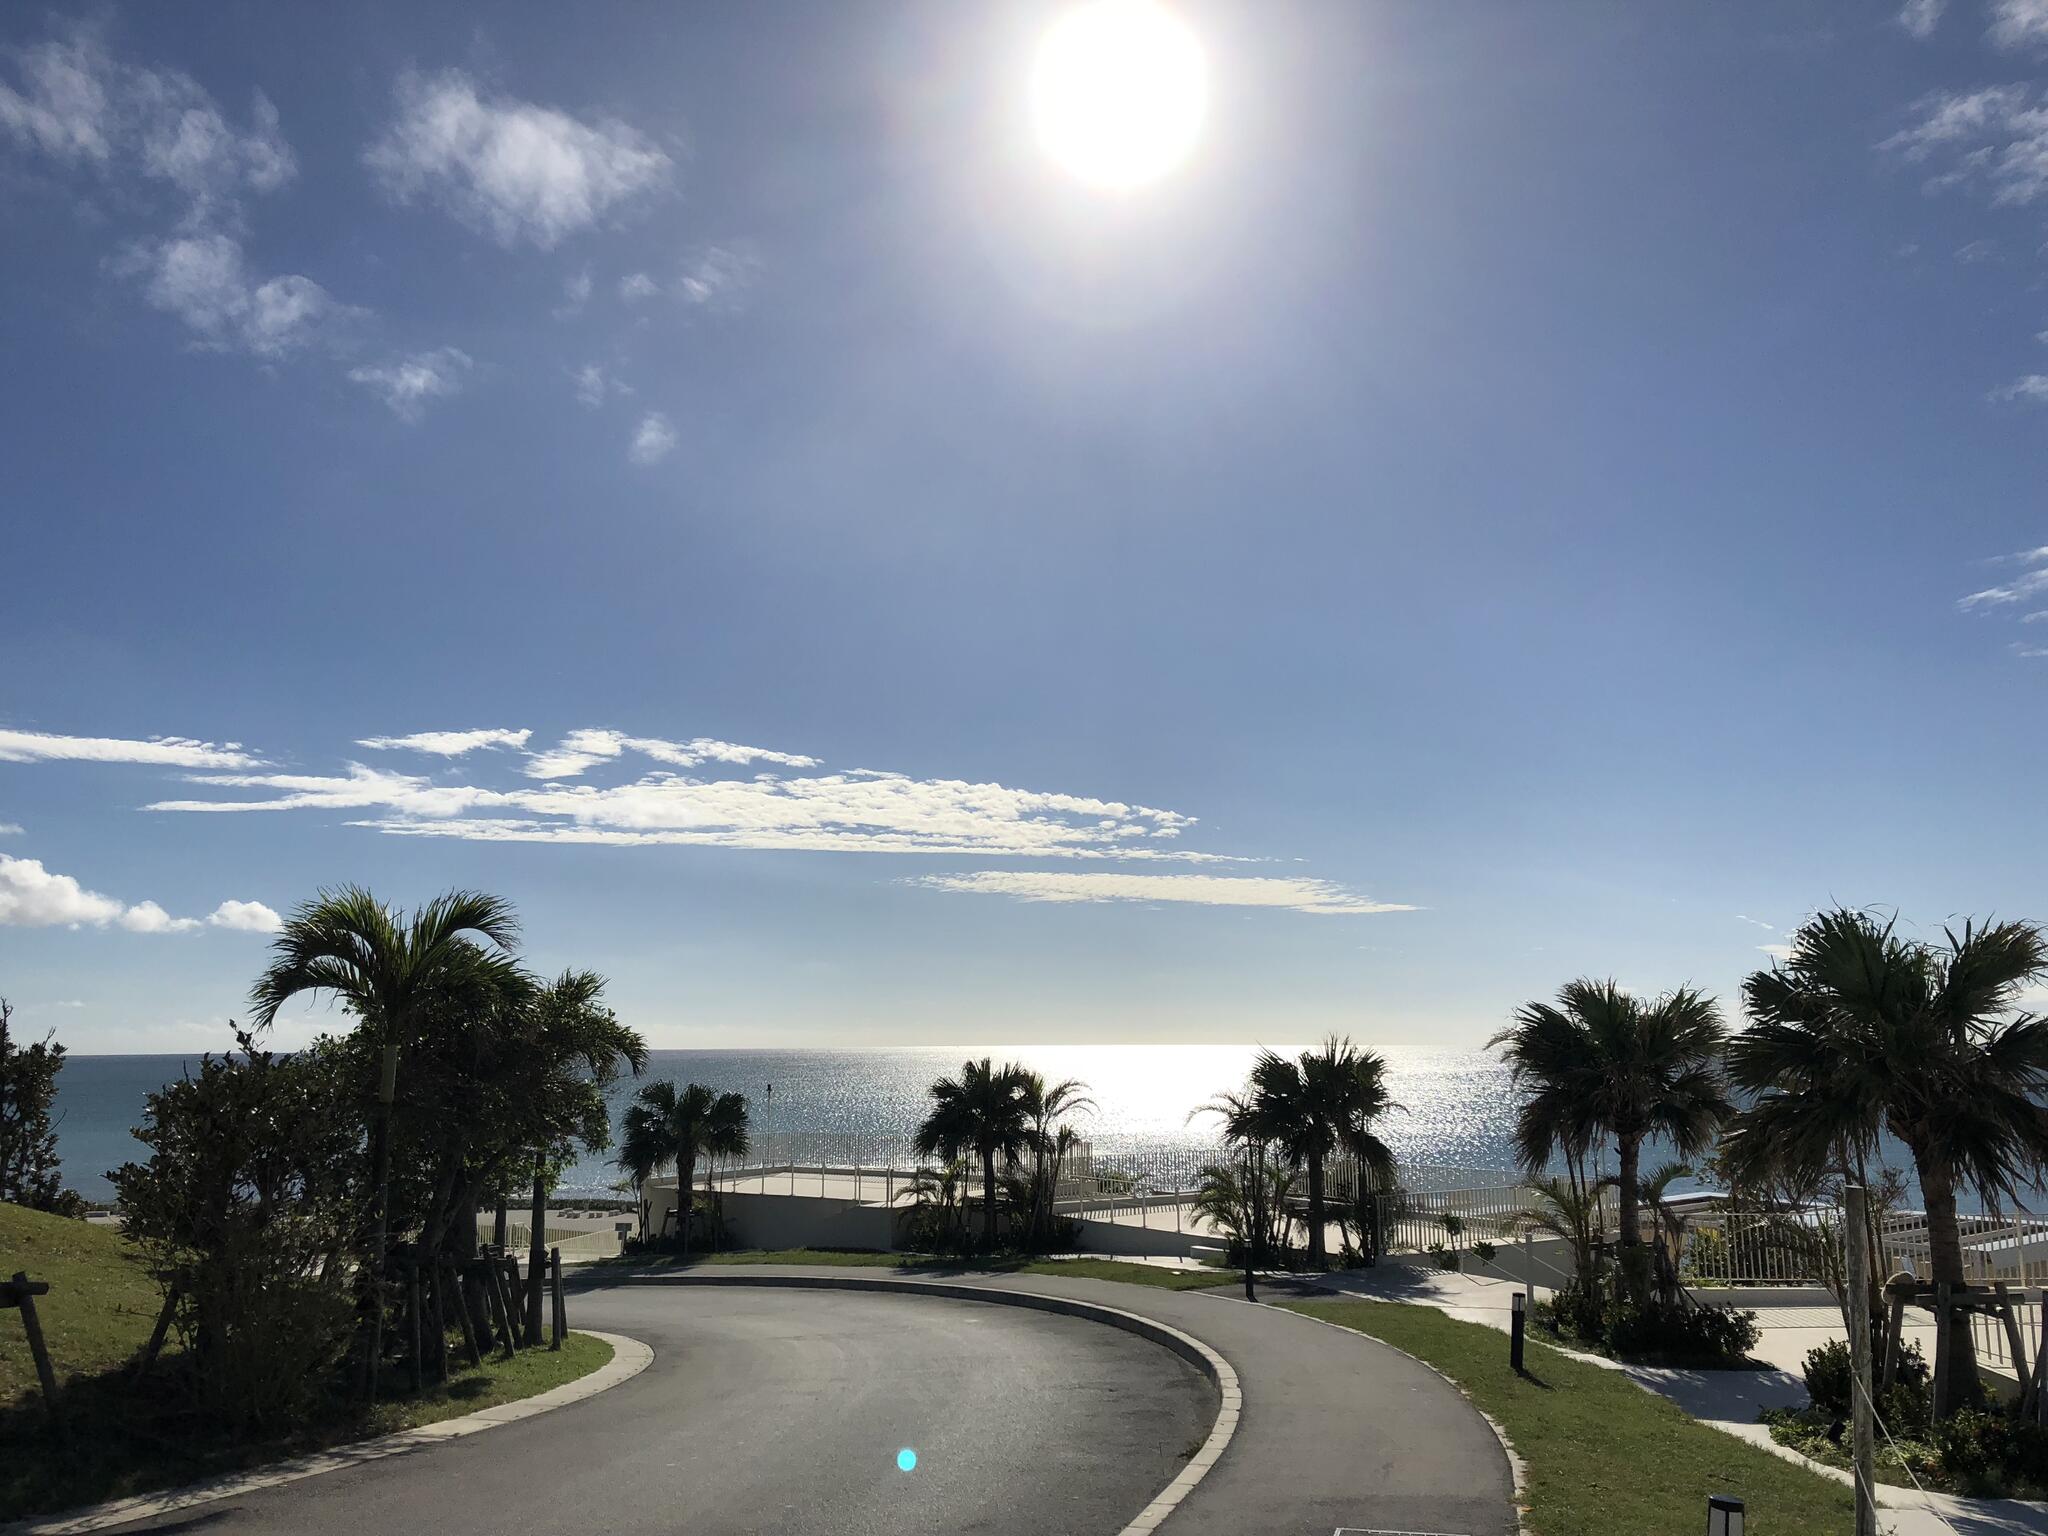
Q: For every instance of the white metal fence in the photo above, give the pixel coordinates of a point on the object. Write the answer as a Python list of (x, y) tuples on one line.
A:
[(580, 1243)]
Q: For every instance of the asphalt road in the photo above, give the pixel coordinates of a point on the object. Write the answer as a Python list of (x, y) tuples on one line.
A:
[(784, 1412)]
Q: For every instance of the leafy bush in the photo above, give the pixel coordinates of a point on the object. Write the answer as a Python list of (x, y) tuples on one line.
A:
[(1658, 1330), (1579, 1311), (1704, 1335), (1987, 1453), (1446, 1258), (1485, 1250), (1827, 1373), (245, 1213)]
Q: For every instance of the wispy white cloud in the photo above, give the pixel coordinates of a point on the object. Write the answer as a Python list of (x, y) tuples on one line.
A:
[(718, 277), (409, 384), (512, 169), (653, 440), (580, 750), (1777, 951), (447, 743), (166, 751), (1995, 137), (74, 103), (2018, 589), (10, 829), (575, 294), (1756, 922), (2019, 23), (635, 286), (1319, 897), (203, 279), (1921, 17), (2028, 389), (161, 139), (593, 385), (34, 897), (858, 811)]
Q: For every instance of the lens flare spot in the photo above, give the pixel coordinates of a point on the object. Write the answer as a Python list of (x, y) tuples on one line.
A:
[(906, 1460)]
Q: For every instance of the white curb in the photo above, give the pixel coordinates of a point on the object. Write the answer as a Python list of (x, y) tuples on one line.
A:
[(629, 1358)]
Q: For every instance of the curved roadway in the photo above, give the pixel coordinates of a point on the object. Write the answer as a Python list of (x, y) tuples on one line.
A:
[(773, 1410)]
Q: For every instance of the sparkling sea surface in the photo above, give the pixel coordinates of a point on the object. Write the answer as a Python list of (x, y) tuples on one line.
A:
[(1456, 1107)]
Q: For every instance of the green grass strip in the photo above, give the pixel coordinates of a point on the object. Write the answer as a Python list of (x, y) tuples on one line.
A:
[(1603, 1457)]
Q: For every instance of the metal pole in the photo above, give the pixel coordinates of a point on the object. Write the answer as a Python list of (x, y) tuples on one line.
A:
[(1863, 1439), (1528, 1268)]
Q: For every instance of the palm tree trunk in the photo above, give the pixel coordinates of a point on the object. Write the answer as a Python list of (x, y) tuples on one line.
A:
[(1318, 1255), (988, 1198), (536, 1253), (1945, 1258), (686, 1191), (1630, 1153), (380, 1219)]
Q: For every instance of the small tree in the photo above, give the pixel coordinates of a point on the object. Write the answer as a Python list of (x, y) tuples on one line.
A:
[(246, 1213), (28, 1144)]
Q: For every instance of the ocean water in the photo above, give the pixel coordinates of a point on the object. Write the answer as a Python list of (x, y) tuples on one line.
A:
[(1456, 1109)]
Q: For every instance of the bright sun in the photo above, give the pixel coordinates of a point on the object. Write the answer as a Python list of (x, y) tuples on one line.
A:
[(1118, 92)]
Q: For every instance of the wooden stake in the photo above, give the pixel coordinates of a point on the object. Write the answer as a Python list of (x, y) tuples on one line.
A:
[(1942, 1353), (157, 1334), (1862, 1440), (412, 1323), (561, 1316), (22, 1292), (437, 1276), (2016, 1349), (1892, 1343), (476, 1356)]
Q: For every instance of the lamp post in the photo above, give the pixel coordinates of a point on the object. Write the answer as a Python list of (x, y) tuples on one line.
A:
[(1724, 1515)]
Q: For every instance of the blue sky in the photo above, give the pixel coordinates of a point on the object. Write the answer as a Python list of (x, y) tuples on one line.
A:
[(1540, 490)]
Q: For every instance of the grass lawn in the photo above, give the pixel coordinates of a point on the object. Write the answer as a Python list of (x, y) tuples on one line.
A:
[(125, 1438), (906, 1263), (101, 1305), (1603, 1457)]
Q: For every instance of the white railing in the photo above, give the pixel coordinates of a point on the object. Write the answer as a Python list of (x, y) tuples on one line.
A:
[(581, 1243)]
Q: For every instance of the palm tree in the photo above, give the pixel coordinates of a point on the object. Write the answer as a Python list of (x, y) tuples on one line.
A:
[(665, 1127), (1859, 1031), (1570, 1211), (387, 970), (1322, 1103), (983, 1111), (1229, 1200), (579, 1048), (1600, 1062), (1050, 1141)]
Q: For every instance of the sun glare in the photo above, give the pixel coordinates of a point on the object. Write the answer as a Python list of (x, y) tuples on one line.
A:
[(1118, 92)]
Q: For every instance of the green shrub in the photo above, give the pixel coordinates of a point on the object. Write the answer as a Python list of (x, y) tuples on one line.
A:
[(242, 1212), (1579, 1311), (1904, 1407), (1485, 1250), (1704, 1335)]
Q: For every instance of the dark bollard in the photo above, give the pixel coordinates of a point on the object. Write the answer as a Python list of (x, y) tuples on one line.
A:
[(1724, 1515), (1516, 1330)]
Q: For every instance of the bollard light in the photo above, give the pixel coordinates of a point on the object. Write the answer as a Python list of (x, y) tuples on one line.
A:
[(1724, 1515), (1518, 1327)]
